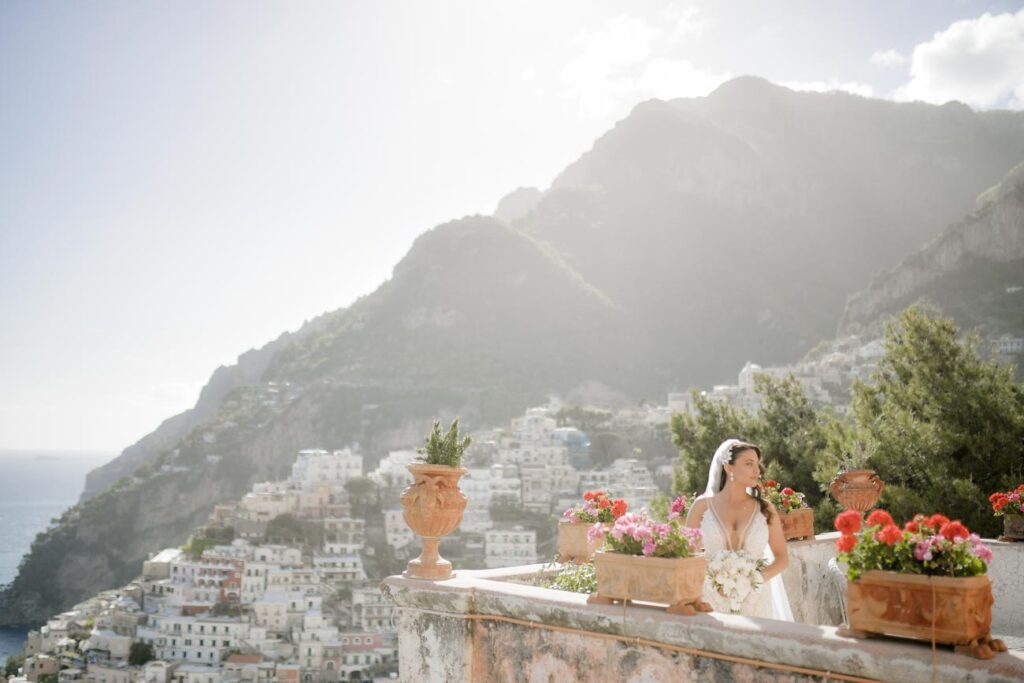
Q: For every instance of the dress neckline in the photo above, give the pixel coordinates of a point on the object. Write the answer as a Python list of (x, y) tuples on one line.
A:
[(725, 531)]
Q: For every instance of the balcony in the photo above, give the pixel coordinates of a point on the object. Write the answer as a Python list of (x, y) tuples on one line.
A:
[(490, 625)]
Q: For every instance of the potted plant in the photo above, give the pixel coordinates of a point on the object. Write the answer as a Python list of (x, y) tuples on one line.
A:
[(650, 561), (796, 516), (856, 487), (433, 504), (1010, 506), (596, 508), (925, 580)]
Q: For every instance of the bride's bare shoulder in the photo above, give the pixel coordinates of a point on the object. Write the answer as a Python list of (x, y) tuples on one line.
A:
[(698, 507)]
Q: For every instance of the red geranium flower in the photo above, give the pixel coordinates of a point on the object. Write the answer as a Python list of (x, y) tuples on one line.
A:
[(954, 530), (588, 495), (912, 526), (604, 503), (787, 491), (848, 522), (880, 518), (771, 483), (937, 521), (619, 508), (846, 543), (890, 534)]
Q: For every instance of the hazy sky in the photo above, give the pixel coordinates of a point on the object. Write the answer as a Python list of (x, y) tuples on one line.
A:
[(180, 182)]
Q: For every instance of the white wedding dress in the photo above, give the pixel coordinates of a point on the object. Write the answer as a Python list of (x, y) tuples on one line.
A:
[(770, 601)]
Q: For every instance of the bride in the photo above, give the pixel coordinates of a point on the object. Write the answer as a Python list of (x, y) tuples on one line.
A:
[(732, 516)]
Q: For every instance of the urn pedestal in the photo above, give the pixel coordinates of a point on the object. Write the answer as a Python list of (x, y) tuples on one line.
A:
[(432, 507)]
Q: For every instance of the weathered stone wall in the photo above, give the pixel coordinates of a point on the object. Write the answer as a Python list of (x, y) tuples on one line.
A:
[(1007, 573), (814, 597), (484, 626), (812, 591)]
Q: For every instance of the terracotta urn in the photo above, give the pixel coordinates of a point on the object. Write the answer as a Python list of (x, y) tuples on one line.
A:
[(1013, 527), (573, 545), (432, 507), (857, 489), (954, 611), (798, 524), (676, 582)]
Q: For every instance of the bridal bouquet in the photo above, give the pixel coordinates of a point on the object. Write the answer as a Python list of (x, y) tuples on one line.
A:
[(735, 575)]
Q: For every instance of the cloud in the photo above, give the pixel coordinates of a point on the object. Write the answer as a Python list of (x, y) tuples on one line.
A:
[(887, 59), (687, 22), (862, 89), (625, 61), (977, 61)]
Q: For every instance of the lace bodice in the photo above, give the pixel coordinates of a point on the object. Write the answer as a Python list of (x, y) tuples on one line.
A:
[(753, 539), (753, 536)]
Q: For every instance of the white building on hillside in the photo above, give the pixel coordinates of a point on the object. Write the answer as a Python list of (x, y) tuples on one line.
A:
[(318, 466), (510, 547), (397, 531), (476, 484)]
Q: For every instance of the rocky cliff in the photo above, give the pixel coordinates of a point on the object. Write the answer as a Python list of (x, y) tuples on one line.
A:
[(970, 271)]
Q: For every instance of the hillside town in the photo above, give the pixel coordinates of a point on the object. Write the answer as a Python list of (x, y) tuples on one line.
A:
[(282, 585)]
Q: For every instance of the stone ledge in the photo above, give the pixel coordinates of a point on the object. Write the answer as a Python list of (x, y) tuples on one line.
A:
[(434, 647)]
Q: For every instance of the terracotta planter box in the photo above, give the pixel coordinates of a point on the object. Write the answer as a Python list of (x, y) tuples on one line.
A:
[(1013, 527), (798, 524), (676, 582), (954, 611), (573, 544)]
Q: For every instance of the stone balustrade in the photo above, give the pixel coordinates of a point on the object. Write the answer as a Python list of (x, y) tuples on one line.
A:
[(498, 625)]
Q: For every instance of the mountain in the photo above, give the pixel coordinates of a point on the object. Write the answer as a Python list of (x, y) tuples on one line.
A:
[(247, 371), (973, 271), (694, 235)]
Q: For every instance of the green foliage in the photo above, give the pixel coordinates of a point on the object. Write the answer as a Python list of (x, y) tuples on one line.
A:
[(286, 528), (445, 450), (140, 653), (575, 578), (584, 419), (49, 678), (942, 427), (946, 428), (658, 507), (791, 434), (208, 537), (13, 663), (697, 437), (363, 491)]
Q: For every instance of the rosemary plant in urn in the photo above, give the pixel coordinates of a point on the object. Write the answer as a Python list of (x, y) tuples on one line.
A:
[(433, 504)]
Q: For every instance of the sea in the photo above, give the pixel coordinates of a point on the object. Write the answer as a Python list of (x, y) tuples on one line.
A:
[(35, 487)]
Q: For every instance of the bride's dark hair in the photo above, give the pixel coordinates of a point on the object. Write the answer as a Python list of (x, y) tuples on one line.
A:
[(736, 449)]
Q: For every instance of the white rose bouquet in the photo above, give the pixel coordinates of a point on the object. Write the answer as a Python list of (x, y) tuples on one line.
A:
[(735, 575)]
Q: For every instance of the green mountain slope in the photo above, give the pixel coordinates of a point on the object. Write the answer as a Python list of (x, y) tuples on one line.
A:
[(695, 235), (973, 271)]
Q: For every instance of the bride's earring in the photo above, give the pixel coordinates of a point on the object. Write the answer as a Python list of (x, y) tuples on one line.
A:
[(732, 476)]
